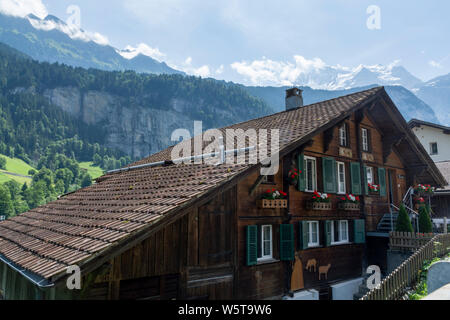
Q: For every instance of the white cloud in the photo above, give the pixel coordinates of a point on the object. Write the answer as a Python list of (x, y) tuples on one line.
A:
[(314, 73), (434, 64), (220, 70), (21, 8), (270, 72), (187, 67), (131, 52), (71, 30)]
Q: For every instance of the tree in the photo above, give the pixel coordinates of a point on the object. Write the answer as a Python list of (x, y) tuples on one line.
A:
[(425, 224), (87, 181), (2, 163), (403, 221), (6, 206)]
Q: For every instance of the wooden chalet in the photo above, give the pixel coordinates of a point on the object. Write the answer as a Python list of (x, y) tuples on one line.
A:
[(198, 231)]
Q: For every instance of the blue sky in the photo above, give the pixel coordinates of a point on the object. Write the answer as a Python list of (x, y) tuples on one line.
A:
[(229, 38)]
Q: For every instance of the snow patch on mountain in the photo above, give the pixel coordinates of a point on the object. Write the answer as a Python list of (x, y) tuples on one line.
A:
[(74, 32), (315, 73), (131, 52)]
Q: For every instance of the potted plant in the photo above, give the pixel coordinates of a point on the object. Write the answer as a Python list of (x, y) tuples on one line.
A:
[(273, 199), (293, 176), (319, 201), (349, 203), (418, 203), (373, 188)]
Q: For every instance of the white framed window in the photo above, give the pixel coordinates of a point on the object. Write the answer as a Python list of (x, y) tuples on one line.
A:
[(341, 178), (365, 139), (370, 177), (339, 232), (266, 251), (343, 135), (434, 148), (313, 233), (310, 174)]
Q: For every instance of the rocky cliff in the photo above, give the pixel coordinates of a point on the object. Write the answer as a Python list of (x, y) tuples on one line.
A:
[(135, 129)]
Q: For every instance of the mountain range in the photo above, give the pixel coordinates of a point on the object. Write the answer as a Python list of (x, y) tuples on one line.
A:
[(175, 101), (52, 40)]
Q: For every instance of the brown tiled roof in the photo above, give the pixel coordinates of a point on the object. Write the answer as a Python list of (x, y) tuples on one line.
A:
[(444, 167), (80, 225)]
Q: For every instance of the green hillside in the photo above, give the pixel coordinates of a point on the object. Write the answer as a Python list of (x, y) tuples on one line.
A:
[(91, 169), (18, 167)]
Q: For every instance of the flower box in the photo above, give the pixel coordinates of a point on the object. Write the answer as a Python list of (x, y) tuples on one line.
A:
[(272, 204), (349, 206), (323, 206)]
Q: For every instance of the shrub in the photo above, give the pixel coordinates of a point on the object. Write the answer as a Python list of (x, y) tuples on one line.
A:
[(403, 221), (2, 163), (425, 224)]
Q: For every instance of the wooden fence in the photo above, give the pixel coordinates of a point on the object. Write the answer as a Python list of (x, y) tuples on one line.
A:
[(393, 286), (408, 240)]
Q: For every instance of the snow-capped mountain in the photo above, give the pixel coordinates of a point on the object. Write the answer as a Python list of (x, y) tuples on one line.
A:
[(436, 93), (316, 74), (53, 40)]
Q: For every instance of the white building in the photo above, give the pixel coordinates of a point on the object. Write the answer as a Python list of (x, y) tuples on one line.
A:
[(434, 137), (436, 140)]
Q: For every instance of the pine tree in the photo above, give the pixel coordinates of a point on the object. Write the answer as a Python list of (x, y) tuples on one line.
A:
[(403, 221), (425, 224), (6, 206)]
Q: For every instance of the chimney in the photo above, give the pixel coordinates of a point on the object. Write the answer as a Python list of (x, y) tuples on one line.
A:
[(294, 98)]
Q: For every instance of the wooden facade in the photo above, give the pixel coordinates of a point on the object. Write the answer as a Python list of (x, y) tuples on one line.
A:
[(225, 246), (203, 254)]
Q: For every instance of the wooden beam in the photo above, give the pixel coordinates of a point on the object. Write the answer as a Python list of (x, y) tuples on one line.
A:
[(256, 185), (328, 137), (389, 142)]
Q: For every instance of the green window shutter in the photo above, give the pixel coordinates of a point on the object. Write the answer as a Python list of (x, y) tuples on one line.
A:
[(301, 167), (286, 242), (303, 235), (329, 175), (252, 245), (382, 181), (359, 231), (366, 183), (328, 233), (355, 171)]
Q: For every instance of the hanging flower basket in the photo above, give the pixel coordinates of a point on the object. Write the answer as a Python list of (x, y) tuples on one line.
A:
[(373, 188), (293, 176), (424, 190), (272, 204)]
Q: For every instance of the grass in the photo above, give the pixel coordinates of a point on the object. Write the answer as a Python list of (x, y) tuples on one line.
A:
[(18, 166), (93, 171)]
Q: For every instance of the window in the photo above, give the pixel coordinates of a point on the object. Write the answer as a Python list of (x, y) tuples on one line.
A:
[(433, 148), (265, 252), (310, 174), (343, 137), (339, 232), (313, 233), (341, 177), (370, 177), (268, 180), (365, 139)]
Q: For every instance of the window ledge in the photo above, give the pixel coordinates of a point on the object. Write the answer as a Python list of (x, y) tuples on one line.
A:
[(314, 247), (340, 244), (266, 261)]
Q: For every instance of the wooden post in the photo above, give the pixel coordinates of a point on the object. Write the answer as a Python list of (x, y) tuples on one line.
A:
[(445, 225)]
